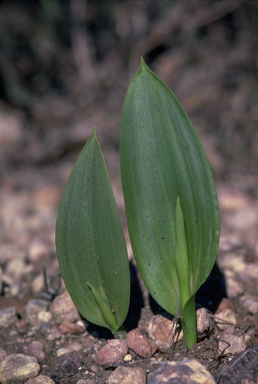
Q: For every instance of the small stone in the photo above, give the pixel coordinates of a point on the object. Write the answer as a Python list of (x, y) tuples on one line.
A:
[(54, 334), (34, 306), (203, 320), (127, 375), (8, 316), (225, 319), (112, 352), (162, 332), (87, 381), (231, 344), (185, 371), (250, 303), (234, 287), (35, 349), (63, 309), (18, 368), (45, 316), (128, 358), (37, 250), (73, 347), (38, 284), (15, 267), (40, 380), (3, 354), (140, 344), (226, 304), (68, 327), (70, 363)]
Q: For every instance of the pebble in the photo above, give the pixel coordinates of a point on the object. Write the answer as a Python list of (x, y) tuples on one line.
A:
[(140, 344), (162, 332), (231, 344), (203, 320), (34, 306), (250, 303), (54, 334), (68, 327), (70, 363), (112, 352), (127, 375), (73, 347), (185, 371), (234, 286), (38, 284), (87, 381), (225, 319), (8, 316), (35, 349), (18, 367), (37, 249), (128, 358), (63, 309), (226, 304), (40, 380), (3, 354), (44, 316)]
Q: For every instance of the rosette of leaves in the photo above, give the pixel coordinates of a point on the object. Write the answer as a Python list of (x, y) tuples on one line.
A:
[(90, 243), (170, 197)]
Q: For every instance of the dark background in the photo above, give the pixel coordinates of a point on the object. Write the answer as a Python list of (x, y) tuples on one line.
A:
[(65, 66)]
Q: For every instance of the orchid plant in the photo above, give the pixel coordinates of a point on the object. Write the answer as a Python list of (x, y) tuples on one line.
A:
[(171, 209)]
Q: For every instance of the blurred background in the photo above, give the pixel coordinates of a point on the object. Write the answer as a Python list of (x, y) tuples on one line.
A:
[(65, 66)]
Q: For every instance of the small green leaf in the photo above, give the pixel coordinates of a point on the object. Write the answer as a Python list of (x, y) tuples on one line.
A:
[(162, 158), (90, 243)]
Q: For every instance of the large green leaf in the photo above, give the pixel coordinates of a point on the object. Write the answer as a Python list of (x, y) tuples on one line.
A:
[(90, 242), (162, 158)]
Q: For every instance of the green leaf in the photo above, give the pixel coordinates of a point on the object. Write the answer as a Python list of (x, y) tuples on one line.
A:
[(162, 158), (90, 243)]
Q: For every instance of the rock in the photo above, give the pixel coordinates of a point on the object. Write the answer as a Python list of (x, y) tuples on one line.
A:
[(38, 284), (34, 306), (111, 353), (140, 344), (128, 358), (54, 334), (250, 303), (8, 316), (15, 267), (226, 304), (37, 250), (35, 349), (73, 347), (203, 320), (225, 319), (40, 380), (127, 375), (70, 364), (231, 344), (17, 368), (234, 287), (44, 316), (68, 327), (3, 354), (63, 309), (87, 381), (185, 371), (163, 332)]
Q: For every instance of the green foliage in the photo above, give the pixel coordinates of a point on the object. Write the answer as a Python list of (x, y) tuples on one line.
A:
[(170, 197), (171, 207), (90, 242)]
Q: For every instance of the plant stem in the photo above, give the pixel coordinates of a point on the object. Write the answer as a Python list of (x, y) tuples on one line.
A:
[(120, 333), (189, 323)]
